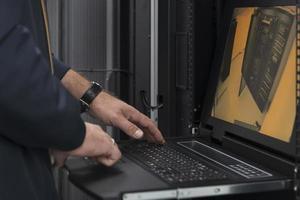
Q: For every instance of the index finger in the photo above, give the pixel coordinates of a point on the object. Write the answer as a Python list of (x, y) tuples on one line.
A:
[(147, 125)]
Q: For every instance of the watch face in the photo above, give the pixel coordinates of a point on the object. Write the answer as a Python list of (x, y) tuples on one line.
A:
[(91, 94), (96, 87)]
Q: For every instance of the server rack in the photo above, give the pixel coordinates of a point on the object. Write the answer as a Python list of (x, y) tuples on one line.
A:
[(187, 34), (110, 41)]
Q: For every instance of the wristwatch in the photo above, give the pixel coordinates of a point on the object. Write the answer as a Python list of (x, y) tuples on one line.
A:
[(89, 96)]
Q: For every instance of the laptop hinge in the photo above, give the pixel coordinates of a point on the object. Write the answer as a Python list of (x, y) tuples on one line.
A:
[(203, 130)]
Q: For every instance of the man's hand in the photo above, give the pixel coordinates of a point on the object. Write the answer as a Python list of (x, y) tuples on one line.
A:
[(97, 145), (115, 112)]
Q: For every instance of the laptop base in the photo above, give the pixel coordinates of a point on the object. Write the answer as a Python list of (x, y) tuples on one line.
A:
[(129, 180)]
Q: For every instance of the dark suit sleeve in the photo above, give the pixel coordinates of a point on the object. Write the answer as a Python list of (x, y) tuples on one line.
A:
[(35, 109), (60, 69)]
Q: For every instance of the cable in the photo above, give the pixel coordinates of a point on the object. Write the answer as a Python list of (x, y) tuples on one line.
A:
[(146, 102)]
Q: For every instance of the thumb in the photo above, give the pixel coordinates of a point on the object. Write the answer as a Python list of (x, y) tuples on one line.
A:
[(129, 128)]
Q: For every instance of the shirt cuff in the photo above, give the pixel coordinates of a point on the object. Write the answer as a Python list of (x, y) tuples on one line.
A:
[(60, 69)]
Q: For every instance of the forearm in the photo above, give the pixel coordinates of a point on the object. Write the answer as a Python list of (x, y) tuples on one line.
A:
[(75, 83)]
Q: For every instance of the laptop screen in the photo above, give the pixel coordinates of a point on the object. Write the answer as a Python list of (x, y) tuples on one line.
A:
[(256, 87)]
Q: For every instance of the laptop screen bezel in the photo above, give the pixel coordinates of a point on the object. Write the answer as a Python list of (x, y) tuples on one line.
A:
[(273, 144)]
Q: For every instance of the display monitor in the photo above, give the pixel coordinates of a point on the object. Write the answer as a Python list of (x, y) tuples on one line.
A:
[(257, 80)]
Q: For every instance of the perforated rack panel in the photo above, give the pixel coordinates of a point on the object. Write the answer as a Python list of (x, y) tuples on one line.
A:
[(184, 36)]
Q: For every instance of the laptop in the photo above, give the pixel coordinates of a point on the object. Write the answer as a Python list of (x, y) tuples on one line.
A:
[(246, 141)]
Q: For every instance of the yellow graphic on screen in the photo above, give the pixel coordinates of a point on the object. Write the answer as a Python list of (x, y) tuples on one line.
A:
[(257, 83)]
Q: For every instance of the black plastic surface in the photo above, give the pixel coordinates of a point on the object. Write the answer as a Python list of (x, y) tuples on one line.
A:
[(110, 183)]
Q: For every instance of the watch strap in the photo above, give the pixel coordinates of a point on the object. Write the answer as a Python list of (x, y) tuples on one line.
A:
[(89, 96)]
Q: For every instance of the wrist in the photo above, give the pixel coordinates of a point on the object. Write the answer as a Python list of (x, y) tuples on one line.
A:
[(75, 84), (98, 107), (90, 95)]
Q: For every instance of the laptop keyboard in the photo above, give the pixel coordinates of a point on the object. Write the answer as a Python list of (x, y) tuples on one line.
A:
[(172, 165)]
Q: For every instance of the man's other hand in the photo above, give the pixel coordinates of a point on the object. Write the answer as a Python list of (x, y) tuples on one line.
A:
[(97, 145), (115, 112)]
